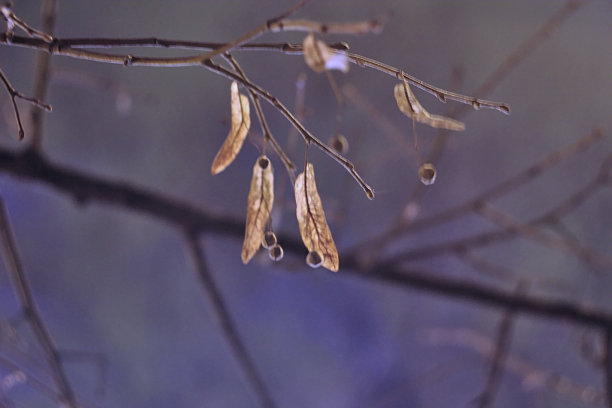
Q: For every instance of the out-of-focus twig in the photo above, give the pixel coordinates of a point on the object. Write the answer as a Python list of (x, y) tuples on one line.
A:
[(527, 175), (531, 228), (495, 78), (533, 377), (498, 361), (23, 292), (230, 333), (43, 72), (527, 231), (607, 366)]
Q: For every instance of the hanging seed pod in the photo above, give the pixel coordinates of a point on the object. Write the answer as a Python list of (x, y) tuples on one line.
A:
[(427, 174), (276, 252), (339, 143), (269, 240), (259, 206), (314, 259)]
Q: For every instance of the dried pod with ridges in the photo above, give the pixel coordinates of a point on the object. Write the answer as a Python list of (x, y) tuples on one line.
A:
[(259, 206), (410, 106), (320, 57), (241, 122), (311, 220)]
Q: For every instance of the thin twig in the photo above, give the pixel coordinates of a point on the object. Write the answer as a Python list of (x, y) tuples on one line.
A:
[(63, 47), (488, 238), (230, 333), (23, 292), (15, 94), (607, 366), (254, 33), (306, 135), (530, 44), (439, 93), (498, 360), (13, 21), (352, 27), (532, 377), (508, 275), (153, 42), (31, 379), (289, 166), (527, 231)]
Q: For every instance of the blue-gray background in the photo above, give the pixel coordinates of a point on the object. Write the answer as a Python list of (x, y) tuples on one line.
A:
[(119, 283)]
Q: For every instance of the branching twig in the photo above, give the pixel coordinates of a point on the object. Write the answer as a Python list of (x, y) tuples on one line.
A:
[(13, 21), (15, 94), (525, 230), (252, 34), (264, 124), (130, 60), (499, 190), (69, 48), (561, 209), (24, 294), (531, 43), (230, 333), (306, 135), (533, 377)]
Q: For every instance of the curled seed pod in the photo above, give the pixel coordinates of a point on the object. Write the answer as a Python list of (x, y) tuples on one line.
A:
[(427, 173), (339, 143), (314, 259), (269, 240), (276, 252)]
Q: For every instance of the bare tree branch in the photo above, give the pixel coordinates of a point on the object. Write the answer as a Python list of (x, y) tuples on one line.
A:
[(31, 166)]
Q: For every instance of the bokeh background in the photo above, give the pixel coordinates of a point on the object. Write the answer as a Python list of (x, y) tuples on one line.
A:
[(118, 283)]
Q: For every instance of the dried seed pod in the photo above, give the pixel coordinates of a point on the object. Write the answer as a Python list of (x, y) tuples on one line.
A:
[(314, 259), (241, 122), (269, 240), (409, 105), (276, 252), (259, 206), (311, 220), (427, 174), (339, 143)]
